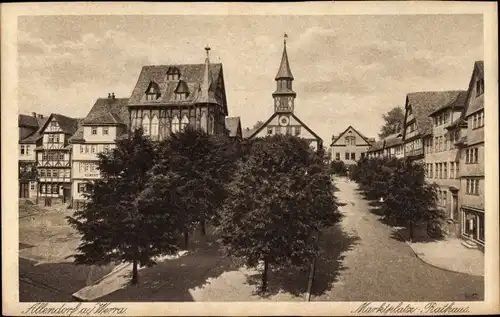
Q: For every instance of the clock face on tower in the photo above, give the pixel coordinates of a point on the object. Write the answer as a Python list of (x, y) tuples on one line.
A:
[(283, 120)]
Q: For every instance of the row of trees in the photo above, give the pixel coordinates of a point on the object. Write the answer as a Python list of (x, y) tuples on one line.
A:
[(399, 184), (267, 198)]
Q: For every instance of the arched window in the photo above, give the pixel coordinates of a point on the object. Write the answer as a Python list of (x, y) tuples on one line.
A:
[(211, 124), (203, 122), (184, 123), (154, 126), (145, 125), (175, 125)]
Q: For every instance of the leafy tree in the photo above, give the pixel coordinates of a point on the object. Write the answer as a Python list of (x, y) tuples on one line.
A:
[(194, 168), (280, 197), (338, 167), (393, 122), (410, 200), (115, 223)]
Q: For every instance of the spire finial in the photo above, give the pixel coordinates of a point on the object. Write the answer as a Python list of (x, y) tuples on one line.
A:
[(285, 36), (207, 49)]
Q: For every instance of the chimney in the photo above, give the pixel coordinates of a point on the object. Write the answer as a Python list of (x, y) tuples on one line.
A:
[(113, 95), (33, 114), (40, 116), (109, 95)]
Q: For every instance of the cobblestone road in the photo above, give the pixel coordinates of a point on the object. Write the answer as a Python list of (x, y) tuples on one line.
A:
[(369, 264)]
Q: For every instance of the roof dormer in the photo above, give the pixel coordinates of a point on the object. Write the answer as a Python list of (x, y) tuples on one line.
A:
[(152, 92), (173, 73), (182, 91)]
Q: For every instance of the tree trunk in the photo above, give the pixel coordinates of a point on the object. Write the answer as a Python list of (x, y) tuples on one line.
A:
[(186, 239), (411, 231), (264, 277), (135, 275), (203, 228)]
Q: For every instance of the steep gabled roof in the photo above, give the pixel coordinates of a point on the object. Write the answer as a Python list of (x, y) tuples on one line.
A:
[(27, 121), (233, 124), (108, 111), (387, 142), (478, 102), (255, 131), (367, 140), (458, 103), (191, 74), (67, 124), (426, 102)]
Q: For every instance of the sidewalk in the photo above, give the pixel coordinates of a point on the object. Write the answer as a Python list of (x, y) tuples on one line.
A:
[(449, 254)]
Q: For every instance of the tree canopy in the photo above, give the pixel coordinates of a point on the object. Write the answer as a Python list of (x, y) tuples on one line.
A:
[(115, 223), (393, 122), (281, 196)]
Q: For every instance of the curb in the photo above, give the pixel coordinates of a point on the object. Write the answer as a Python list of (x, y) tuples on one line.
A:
[(432, 264)]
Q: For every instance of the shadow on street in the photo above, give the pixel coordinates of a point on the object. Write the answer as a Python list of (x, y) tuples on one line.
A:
[(334, 242)]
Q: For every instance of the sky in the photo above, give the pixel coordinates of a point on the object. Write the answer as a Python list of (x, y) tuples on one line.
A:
[(349, 70)]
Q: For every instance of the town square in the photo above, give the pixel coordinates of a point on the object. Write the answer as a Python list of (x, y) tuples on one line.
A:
[(252, 158)]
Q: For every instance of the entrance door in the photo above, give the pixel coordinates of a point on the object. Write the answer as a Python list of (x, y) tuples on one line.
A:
[(24, 190), (66, 194), (454, 211)]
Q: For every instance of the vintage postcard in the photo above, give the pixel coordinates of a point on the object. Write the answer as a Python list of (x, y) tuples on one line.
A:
[(250, 159)]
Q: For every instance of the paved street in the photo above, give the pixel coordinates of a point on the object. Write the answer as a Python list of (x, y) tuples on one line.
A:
[(370, 264), (54, 281)]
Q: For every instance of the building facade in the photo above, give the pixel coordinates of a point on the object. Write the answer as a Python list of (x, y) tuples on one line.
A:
[(350, 146), (442, 160), (283, 120), (106, 121), (53, 159), (29, 127), (233, 126), (390, 146), (472, 154), (417, 123), (168, 98)]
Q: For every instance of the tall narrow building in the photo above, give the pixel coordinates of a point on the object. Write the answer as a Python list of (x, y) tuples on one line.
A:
[(284, 120)]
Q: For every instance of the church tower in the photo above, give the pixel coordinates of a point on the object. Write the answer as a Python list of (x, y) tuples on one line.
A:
[(284, 96)]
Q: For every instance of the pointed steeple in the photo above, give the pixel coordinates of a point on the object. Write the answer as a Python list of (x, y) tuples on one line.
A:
[(207, 79), (284, 71)]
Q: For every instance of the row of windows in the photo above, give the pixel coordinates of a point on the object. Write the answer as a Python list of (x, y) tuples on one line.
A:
[(55, 173), (441, 143), (49, 188), (288, 130), (95, 130), (52, 156), (53, 138), (25, 149), (412, 127), (442, 118), (151, 126), (94, 148), (440, 170), (472, 156), (472, 186), (85, 167), (348, 156), (477, 120)]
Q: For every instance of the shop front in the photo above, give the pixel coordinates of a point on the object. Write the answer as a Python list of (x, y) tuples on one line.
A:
[(473, 225)]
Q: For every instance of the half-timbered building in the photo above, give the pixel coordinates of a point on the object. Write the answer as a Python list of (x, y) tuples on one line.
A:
[(284, 120), (168, 98), (53, 159)]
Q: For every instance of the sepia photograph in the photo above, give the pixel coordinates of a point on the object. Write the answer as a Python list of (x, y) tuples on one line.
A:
[(250, 159)]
